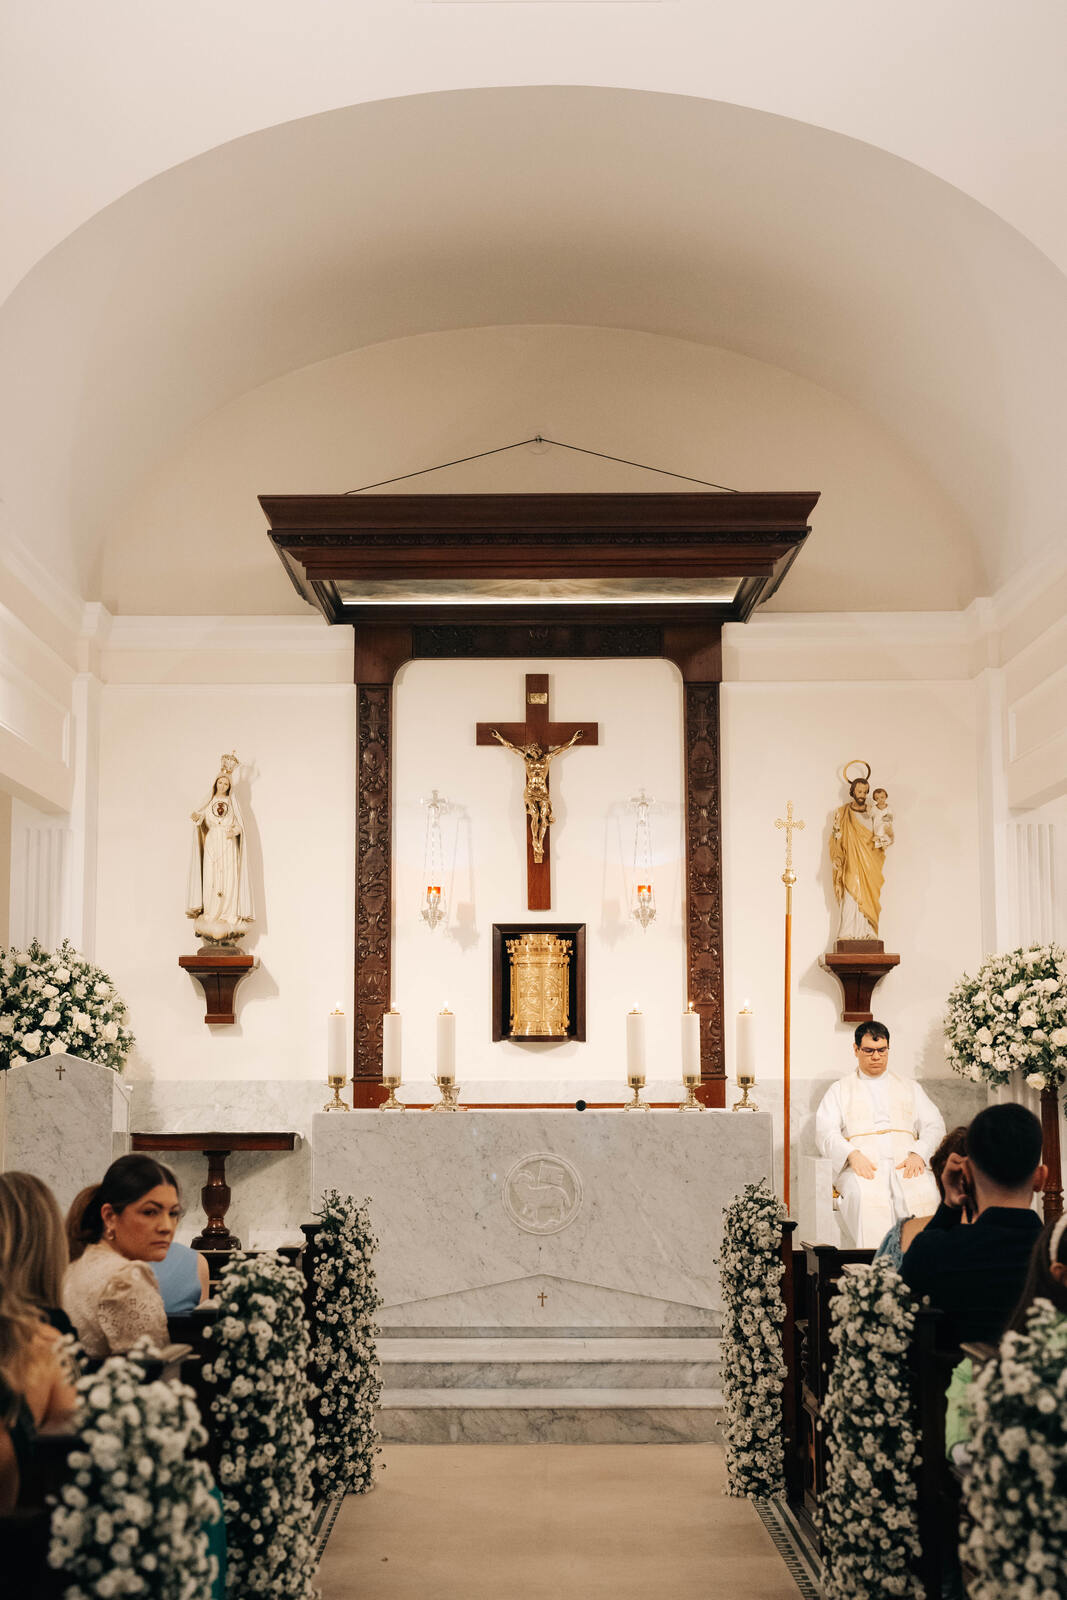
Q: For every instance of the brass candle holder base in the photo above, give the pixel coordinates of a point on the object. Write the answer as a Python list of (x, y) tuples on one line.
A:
[(392, 1104), (745, 1104), (449, 1095), (636, 1104), (336, 1084), (691, 1103)]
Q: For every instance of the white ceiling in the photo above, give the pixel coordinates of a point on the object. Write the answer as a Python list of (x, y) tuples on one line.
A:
[(679, 216)]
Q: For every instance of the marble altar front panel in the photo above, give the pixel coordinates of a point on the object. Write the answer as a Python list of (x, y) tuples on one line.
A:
[(544, 1219)]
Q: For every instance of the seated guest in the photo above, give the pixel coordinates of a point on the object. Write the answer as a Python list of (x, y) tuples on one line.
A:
[(35, 1387), (1047, 1278), (901, 1234), (183, 1278), (879, 1131), (975, 1275), (115, 1230)]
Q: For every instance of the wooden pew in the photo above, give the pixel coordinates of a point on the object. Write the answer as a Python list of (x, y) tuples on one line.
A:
[(816, 1269)]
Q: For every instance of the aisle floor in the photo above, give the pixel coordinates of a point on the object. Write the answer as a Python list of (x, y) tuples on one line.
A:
[(585, 1522)]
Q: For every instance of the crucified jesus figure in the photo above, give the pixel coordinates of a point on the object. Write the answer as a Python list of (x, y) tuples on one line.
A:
[(535, 795)]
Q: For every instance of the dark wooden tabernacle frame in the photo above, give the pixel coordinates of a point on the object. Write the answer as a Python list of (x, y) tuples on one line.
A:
[(324, 540)]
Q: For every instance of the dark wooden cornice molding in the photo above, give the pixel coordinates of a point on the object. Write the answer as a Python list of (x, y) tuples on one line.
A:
[(326, 539)]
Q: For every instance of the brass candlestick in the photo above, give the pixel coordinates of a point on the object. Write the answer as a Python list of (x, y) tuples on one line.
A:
[(690, 1103), (446, 1082), (336, 1081), (745, 1082), (636, 1080), (392, 1083)]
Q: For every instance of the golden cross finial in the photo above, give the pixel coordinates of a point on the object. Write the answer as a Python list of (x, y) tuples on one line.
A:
[(789, 823)]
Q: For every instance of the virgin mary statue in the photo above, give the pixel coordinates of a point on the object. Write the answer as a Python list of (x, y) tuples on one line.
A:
[(219, 896)]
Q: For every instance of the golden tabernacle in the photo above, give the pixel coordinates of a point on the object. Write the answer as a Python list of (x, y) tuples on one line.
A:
[(540, 986)]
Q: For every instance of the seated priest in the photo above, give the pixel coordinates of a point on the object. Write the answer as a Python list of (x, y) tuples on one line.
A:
[(879, 1131)]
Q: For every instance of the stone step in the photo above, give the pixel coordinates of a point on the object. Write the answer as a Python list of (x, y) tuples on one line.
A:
[(550, 1416), (549, 1363)]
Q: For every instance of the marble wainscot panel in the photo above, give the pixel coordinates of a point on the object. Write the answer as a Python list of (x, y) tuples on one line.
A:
[(271, 1192), (545, 1219), (65, 1120)]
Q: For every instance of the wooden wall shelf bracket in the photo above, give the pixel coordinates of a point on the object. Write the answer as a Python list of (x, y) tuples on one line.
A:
[(218, 976), (860, 964)]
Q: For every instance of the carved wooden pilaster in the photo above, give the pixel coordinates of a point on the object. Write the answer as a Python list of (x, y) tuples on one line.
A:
[(374, 894), (703, 851)]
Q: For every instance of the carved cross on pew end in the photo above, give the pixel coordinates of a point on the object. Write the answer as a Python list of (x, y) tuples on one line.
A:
[(540, 729)]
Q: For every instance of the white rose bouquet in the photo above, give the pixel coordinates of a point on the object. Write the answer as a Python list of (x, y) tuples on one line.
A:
[(753, 1367), (1016, 1491), (133, 1517), (344, 1302), (1011, 1016), (57, 1002), (867, 1517), (261, 1405)]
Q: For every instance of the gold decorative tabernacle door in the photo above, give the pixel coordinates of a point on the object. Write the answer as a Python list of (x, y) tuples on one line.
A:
[(540, 986)]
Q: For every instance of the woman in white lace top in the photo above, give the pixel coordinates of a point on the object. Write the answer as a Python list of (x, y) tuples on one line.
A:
[(110, 1292)]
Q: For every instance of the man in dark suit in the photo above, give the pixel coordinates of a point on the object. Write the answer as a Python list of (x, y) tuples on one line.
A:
[(975, 1274)]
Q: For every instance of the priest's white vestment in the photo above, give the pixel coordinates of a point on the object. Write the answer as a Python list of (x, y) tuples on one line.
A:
[(886, 1118)]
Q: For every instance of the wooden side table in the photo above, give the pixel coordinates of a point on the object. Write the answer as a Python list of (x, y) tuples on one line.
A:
[(215, 1195)]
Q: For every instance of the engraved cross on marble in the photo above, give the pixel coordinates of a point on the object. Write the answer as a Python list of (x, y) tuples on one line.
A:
[(59, 1069), (538, 741), (542, 1297)]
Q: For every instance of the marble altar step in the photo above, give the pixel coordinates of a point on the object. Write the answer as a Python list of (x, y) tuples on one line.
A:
[(550, 1391)]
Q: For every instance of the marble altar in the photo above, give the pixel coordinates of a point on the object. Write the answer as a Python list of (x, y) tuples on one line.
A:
[(544, 1221), (63, 1119)]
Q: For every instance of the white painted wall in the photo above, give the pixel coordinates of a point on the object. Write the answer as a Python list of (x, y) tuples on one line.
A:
[(638, 705), (786, 741), (159, 752)]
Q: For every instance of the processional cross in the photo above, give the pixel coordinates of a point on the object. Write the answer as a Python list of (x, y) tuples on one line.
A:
[(538, 741)]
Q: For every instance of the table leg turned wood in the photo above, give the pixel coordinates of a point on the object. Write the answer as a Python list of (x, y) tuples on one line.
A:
[(215, 1197)]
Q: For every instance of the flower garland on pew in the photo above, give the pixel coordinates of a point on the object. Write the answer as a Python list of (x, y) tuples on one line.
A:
[(132, 1519), (54, 1002), (1012, 1015), (346, 1358), (261, 1407), (1016, 1491), (753, 1366), (867, 1517)]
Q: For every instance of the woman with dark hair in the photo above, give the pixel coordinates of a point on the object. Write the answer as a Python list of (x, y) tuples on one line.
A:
[(1047, 1278), (115, 1230), (905, 1229)]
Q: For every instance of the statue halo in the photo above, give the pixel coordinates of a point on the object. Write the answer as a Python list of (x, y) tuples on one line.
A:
[(857, 761)]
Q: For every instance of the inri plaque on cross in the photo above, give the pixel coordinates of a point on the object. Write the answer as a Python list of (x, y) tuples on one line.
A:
[(538, 741)]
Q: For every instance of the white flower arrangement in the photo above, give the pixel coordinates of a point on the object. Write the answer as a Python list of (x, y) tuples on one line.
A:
[(753, 1367), (133, 1518), (261, 1406), (57, 1002), (1011, 1016), (346, 1358), (1016, 1492), (867, 1517)]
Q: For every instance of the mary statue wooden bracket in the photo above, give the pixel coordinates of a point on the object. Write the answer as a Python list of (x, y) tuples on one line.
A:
[(535, 741)]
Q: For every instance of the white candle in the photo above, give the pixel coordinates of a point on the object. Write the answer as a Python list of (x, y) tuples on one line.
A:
[(391, 1044), (336, 1053), (635, 1044), (746, 1042), (690, 1044), (446, 1044)]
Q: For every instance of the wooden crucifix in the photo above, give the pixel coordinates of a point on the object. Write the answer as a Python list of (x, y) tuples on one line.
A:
[(538, 741)]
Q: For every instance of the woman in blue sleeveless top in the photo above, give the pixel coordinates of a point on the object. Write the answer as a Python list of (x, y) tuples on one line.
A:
[(183, 1279)]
